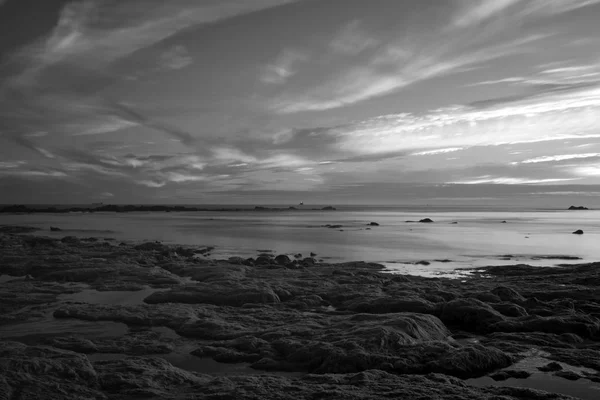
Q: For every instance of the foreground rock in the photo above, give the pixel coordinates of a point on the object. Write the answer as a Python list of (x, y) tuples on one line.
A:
[(357, 332), (47, 373)]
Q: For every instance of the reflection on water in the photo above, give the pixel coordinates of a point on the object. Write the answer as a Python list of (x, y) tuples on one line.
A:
[(112, 297), (583, 388)]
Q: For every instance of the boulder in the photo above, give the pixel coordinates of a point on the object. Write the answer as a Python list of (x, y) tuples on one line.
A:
[(373, 224), (470, 314), (282, 259), (578, 232), (426, 220)]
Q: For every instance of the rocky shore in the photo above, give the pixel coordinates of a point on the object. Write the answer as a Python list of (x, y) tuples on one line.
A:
[(97, 319)]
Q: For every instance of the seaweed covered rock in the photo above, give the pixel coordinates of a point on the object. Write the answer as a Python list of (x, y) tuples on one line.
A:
[(470, 314)]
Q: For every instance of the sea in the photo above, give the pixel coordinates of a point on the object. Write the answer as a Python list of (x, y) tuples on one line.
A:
[(458, 238)]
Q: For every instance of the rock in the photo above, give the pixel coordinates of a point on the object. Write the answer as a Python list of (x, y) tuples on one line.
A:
[(551, 367), (373, 224), (328, 208), (422, 262), (507, 374), (570, 375), (70, 239), (470, 315), (386, 305), (150, 377), (234, 295), (578, 208), (508, 294), (263, 260), (426, 220), (55, 229), (578, 232), (583, 325), (282, 259), (150, 246), (39, 372)]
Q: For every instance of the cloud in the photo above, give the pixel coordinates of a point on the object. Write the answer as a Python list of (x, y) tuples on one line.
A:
[(83, 36), (481, 11), (11, 164), (385, 73), (587, 171), (560, 157), (151, 184), (438, 151), (177, 57), (352, 40), (510, 181), (34, 173), (282, 68)]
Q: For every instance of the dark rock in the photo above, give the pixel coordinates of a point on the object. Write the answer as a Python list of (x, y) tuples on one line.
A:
[(328, 208), (211, 293), (570, 375), (578, 232), (551, 367), (422, 262), (470, 314), (55, 229), (70, 239), (426, 220), (578, 208), (263, 260), (508, 294), (507, 374), (373, 224), (282, 259)]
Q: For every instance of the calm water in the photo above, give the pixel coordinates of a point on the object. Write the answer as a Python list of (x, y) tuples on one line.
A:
[(477, 238)]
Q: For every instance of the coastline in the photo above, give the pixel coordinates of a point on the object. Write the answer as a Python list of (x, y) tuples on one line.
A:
[(115, 316)]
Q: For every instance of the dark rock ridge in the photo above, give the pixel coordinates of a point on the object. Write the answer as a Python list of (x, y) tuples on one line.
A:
[(356, 331), (578, 208)]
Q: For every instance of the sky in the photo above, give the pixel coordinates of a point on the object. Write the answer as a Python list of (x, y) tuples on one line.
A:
[(281, 101)]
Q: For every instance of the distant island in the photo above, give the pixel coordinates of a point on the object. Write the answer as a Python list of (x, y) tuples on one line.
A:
[(141, 208), (578, 208)]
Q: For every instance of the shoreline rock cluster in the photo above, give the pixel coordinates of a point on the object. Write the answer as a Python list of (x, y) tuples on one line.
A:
[(349, 329)]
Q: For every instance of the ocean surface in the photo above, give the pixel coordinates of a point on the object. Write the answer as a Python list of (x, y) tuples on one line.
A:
[(458, 238)]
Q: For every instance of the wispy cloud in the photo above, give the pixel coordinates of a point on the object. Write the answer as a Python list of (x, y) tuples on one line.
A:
[(437, 151), (283, 67), (177, 57), (477, 12), (511, 181), (352, 40), (560, 157), (396, 66)]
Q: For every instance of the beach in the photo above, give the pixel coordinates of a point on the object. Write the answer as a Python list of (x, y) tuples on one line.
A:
[(89, 315)]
